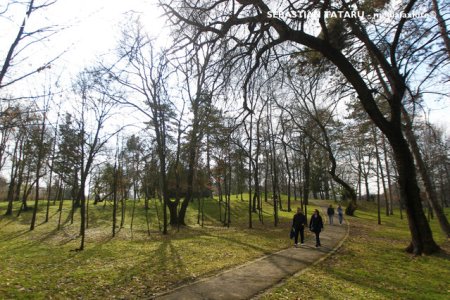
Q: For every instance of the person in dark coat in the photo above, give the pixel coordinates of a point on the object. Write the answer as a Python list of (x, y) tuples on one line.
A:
[(298, 225), (316, 225), (330, 213)]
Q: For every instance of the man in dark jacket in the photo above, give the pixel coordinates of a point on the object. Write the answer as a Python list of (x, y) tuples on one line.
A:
[(316, 225), (330, 213), (298, 225)]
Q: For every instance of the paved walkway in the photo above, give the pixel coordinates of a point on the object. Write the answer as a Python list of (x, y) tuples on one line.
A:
[(252, 278)]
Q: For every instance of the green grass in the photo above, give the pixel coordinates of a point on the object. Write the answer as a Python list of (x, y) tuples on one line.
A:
[(43, 264), (372, 264)]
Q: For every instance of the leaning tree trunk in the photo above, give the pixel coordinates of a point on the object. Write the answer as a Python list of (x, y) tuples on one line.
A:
[(442, 27), (351, 207), (422, 238), (421, 235), (429, 188)]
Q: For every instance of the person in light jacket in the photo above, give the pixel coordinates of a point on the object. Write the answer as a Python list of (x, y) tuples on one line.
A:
[(316, 226), (340, 212)]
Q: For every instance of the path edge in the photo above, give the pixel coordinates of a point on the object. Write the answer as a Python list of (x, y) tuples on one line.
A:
[(259, 294), (156, 296), (302, 271)]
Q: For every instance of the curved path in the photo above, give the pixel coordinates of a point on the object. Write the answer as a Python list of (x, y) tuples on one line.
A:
[(248, 280)]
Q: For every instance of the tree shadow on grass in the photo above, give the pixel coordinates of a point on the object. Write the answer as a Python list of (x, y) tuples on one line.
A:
[(444, 253), (165, 262), (14, 235), (12, 219), (46, 236)]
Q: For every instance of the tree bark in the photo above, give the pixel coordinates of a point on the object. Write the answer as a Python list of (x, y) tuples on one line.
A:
[(429, 188), (421, 235), (442, 26), (388, 173), (288, 171)]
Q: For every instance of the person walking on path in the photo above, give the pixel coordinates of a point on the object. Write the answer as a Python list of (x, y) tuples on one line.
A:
[(330, 213), (340, 212), (298, 225), (316, 225)]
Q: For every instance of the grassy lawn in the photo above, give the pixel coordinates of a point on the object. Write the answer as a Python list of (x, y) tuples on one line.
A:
[(372, 265), (134, 264), (43, 264)]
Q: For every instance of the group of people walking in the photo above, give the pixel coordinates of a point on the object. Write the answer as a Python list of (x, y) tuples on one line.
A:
[(299, 223), (330, 213)]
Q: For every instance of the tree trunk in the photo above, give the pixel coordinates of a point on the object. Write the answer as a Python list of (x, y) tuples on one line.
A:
[(192, 162), (61, 203), (378, 196), (306, 179), (421, 235), (266, 177), (333, 191), (12, 181), (359, 176), (38, 171), (429, 188), (257, 194), (83, 218), (378, 163), (228, 173), (250, 210), (219, 187), (388, 173), (114, 216), (366, 183), (288, 171), (442, 26), (380, 170)]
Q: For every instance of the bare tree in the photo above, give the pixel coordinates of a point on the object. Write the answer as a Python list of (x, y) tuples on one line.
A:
[(250, 28), (42, 151), (96, 108), (200, 84), (143, 71), (426, 176), (13, 67), (313, 105)]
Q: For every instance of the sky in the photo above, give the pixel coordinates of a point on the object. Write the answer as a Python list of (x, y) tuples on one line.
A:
[(94, 26), (92, 31), (86, 29)]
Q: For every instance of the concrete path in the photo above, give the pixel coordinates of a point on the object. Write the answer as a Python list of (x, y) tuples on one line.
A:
[(252, 278)]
